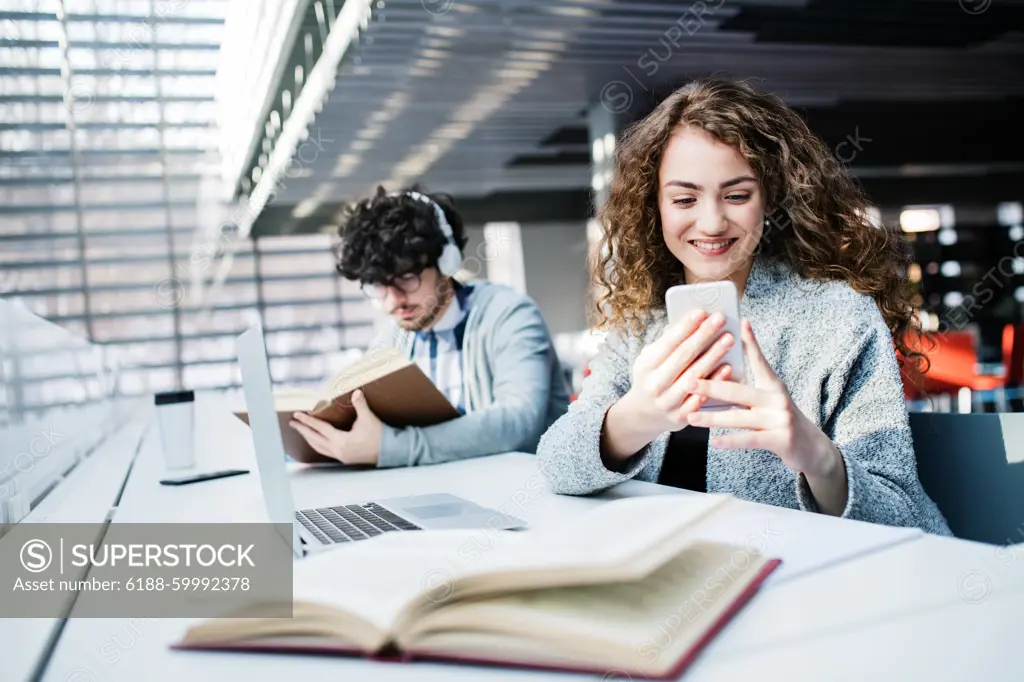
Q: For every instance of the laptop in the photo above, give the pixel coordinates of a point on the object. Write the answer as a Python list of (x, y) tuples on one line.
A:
[(321, 528)]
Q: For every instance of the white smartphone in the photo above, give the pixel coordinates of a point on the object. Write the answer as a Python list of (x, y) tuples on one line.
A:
[(713, 297)]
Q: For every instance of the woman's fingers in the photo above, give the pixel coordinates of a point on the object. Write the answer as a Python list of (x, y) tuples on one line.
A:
[(762, 371), (686, 352), (701, 368), (693, 402), (674, 335), (731, 392), (756, 420)]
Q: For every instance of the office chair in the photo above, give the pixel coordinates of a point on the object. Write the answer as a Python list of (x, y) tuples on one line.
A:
[(972, 466), (1013, 360)]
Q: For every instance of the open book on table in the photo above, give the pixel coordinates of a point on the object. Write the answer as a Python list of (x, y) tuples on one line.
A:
[(397, 391), (627, 586)]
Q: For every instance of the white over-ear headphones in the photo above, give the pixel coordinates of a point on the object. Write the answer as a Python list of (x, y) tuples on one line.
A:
[(451, 258)]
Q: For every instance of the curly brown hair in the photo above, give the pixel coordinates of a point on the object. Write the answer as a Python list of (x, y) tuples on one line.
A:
[(818, 216)]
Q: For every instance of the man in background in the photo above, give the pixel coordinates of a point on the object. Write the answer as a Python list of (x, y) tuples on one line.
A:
[(485, 346)]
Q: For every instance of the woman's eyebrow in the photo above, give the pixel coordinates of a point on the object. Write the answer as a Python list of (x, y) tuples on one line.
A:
[(736, 181), (695, 186), (683, 183)]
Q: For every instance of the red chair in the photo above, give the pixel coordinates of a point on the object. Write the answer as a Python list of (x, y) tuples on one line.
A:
[(952, 357), (1013, 354)]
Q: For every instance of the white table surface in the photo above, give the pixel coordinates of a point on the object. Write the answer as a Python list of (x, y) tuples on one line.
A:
[(920, 607), (86, 495)]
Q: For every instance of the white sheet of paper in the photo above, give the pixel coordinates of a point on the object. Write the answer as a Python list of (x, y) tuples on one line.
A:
[(805, 542)]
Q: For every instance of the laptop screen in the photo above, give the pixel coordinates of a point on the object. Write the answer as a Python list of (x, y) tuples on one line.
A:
[(266, 432)]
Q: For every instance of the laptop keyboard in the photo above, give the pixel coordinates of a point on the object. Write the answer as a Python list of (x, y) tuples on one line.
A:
[(331, 525)]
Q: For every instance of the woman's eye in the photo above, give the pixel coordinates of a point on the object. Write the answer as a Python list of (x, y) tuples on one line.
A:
[(684, 201), (738, 197)]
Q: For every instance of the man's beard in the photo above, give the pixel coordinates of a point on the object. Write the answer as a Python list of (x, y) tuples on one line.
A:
[(441, 297)]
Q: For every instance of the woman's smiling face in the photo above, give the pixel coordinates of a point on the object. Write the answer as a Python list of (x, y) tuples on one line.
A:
[(711, 206)]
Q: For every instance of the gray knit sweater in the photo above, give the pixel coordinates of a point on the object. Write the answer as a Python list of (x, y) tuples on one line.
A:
[(832, 349)]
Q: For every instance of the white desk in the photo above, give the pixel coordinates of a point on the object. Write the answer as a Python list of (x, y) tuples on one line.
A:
[(926, 608), (85, 496)]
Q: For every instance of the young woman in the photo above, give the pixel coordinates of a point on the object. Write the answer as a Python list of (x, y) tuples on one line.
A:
[(722, 182)]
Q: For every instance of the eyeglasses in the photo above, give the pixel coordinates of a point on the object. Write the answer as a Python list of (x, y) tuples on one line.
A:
[(408, 283)]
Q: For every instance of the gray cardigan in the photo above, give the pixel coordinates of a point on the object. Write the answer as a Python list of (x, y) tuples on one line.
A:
[(512, 381), (832, 349)]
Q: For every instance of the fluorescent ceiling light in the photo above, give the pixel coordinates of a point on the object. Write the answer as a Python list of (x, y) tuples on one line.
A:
[(1010, 213), (920, 220), (873, 216), (571, 11), (546, 45), (531, 55), (508, 73), (306, 207), (370, 132), (424, 63), (447, 31)]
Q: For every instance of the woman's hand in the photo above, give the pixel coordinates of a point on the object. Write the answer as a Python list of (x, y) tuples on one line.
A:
[(659, 399), (774, 423)]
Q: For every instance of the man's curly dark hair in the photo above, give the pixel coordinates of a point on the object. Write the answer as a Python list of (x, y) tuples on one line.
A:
[(388, 235)]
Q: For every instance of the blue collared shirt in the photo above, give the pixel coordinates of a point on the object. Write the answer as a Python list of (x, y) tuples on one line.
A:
[(438, 350)]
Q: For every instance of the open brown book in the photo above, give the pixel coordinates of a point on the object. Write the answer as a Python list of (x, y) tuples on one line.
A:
[(626, 587), (397, 391)]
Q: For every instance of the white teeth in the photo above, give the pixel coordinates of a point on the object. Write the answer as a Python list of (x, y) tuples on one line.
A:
[(711, 246)]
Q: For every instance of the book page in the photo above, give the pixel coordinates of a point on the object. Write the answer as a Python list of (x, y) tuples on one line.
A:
[(623, 530), (623, 539), (286, 399), (378, 577), (392, 579), (644, 625), (352, 591), (295, 399), (370, 367), (616, 542)]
